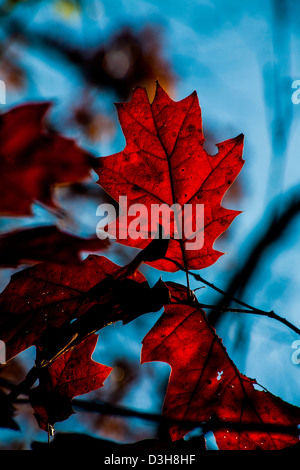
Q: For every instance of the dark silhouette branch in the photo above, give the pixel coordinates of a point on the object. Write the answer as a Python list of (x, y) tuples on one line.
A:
[(276, 228), (223, 307), (105, 408)]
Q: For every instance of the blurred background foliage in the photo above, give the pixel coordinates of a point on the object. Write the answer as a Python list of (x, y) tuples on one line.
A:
[(241, 58)]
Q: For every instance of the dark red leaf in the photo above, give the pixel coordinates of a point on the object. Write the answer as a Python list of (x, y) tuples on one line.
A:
[(205, 386), (48, 296), (46, 243), (73, 373), (164, 162), (33, 161)]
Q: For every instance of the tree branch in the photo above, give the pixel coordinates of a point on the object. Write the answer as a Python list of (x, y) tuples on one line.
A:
[(108, 409), (249, 308), (276, 228)]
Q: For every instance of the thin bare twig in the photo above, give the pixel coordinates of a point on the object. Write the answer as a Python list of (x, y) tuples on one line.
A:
[(250, 308), (276, 228)]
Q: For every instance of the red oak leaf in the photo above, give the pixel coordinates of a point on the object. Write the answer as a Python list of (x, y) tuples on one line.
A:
[(33, 161), (73, 373), (47, 295), (46, 243), (164, 162), (205, 386)]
